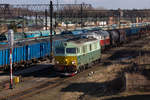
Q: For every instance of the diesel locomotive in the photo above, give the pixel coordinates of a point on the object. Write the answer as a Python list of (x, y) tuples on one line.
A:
[(76, 54)]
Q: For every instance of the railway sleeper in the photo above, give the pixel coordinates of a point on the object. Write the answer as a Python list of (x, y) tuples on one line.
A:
[(5, 68), (34, 61), (27, 64), (42, 58)]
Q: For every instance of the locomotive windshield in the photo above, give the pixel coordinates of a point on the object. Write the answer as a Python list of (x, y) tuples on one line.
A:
[(71, 50), (60, 50)]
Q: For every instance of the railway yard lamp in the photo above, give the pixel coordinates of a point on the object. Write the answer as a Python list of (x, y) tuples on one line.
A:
[(11, 43)]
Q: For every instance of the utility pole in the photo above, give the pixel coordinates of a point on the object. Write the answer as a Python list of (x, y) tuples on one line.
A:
[(57, 13), (81, 15), (46, 19), (23, 26), (119, 17), (36, 22), (57, 4), (51, 31)]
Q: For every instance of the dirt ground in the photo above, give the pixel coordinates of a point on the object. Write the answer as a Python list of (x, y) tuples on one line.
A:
[(83, 87), (104, 84)]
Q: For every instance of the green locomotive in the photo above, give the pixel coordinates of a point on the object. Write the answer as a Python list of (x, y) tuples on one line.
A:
[(76, 54)]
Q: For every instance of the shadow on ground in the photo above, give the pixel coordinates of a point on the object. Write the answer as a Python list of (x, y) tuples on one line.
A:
[(146, 73), (134, 97), (47, 72), (128, 54), (98, 89)]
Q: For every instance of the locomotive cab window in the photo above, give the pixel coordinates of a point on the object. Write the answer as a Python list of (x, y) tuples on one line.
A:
[(84, 49), (95, 45), (60, 50), (71, 50), (90, 47), (78, 50)]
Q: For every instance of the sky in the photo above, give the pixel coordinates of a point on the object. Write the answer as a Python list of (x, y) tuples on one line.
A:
[(109, 4)]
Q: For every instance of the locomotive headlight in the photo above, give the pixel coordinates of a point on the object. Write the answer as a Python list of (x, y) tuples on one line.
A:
[(73, 62), (57, 62), (66, 59)]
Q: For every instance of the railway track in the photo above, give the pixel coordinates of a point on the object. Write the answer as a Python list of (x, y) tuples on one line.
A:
[(34, 90), (24, 74), (49, 84)]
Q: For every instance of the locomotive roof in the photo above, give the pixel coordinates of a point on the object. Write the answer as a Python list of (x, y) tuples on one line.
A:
[(80, 40), (66, 36)]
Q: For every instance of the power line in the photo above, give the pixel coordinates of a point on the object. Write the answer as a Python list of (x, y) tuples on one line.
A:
[(57, 4)]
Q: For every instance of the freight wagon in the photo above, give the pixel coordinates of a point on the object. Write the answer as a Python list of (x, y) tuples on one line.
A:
[(25, 51)]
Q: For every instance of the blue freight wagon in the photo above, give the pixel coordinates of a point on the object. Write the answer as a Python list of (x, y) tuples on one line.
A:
[(24, 51)]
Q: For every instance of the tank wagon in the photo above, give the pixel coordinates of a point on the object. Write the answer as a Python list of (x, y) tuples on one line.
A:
[(28, 35), (34, 34), (17, 36), (74, 32), (105, 41), (81, 31), (74, 55), (101, 35), (114, 37), (122, 36)]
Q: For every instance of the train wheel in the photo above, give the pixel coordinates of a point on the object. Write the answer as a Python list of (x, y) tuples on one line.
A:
[(79, 70), (90, 65), (84, 67), (5, 68), (99, 60)]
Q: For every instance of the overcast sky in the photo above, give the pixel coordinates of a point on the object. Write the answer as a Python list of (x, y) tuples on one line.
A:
[(113, 4)]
